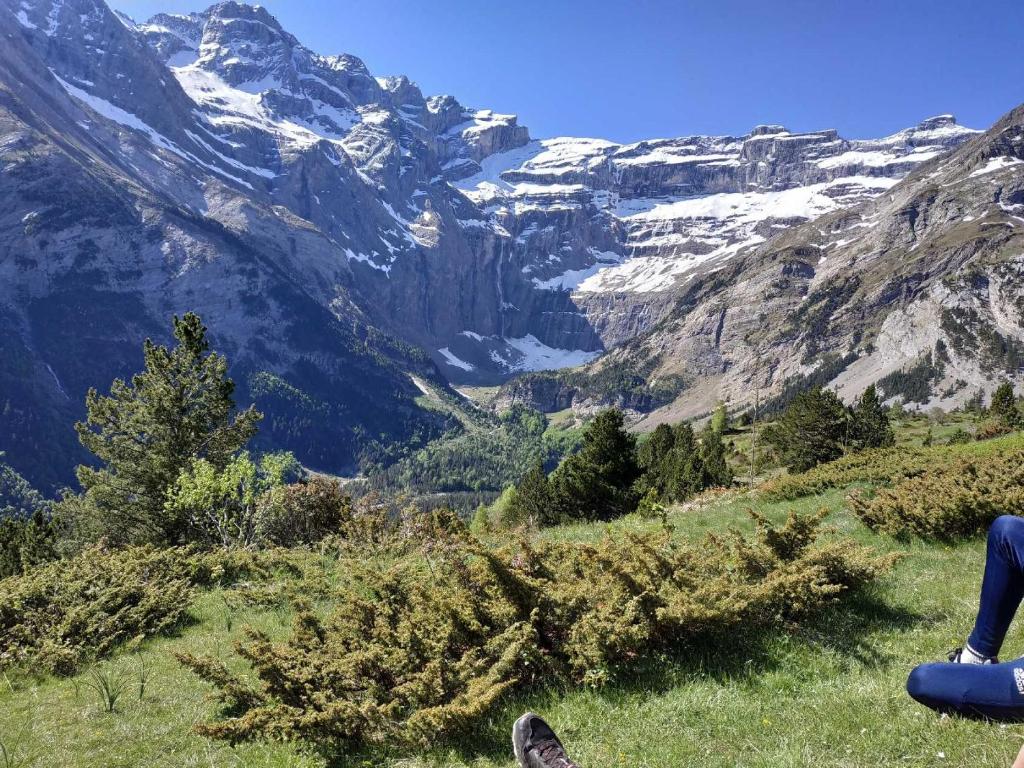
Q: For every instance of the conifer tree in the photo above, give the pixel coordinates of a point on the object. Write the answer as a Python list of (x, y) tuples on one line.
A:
[(870, 427), (17, 498), (811, 430), (688, 476), (1004, 406), (597, 482), (717, 472), (655, 458), (147, 431), (531, 501)]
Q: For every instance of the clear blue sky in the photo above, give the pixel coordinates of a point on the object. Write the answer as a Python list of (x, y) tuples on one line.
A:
[(638, 69)]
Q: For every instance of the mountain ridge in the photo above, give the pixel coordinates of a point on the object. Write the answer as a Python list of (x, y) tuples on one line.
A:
[(917, 290), (339, 231)]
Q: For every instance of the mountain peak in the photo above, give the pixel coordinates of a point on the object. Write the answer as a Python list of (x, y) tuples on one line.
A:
[(768, 130), (939, 121), (231, 11)]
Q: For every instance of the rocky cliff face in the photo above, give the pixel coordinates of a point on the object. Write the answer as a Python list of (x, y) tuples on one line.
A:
[(622, 228), (121, 207), (331, 226), (918, 289)]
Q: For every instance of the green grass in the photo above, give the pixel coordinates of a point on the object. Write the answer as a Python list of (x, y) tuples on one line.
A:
[(825, 693)]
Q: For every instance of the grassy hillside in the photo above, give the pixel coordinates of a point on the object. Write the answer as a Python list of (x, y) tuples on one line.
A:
[(829, 692)]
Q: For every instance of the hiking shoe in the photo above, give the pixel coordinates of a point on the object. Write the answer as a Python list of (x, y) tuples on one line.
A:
[(536, 745), (968, 655)]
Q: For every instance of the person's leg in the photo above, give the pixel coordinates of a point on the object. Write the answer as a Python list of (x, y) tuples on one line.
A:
[(993, 691), (1002, 586)]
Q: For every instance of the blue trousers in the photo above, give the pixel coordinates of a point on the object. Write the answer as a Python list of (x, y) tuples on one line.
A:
[(991, 691)]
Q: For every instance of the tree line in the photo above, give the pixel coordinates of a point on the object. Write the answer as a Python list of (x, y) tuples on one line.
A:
[(610, 476), (172, 464)]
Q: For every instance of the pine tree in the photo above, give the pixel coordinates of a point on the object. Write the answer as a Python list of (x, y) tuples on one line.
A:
[(811, 430), (687, 475), (531, 502), (717, 472), (597, 483), (1004, 406), (870, 427), (655, 459), (146, 432)]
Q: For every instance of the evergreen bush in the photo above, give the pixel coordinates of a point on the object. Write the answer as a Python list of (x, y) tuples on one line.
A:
[(421, 651), (58, 616), (948, 501)]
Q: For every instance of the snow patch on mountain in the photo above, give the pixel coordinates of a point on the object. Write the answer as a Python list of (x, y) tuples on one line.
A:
[(996, 164), (454, 361)]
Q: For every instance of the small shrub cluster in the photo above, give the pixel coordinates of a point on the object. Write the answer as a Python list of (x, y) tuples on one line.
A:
[(228, 507), (303, 513), (883, 466), (949, 501), (421, 650), (58, 616)]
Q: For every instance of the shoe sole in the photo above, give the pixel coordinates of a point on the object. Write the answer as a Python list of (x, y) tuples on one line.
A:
[(520, 733)]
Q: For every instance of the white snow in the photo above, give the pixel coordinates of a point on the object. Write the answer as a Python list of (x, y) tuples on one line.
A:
[(455, 362), (546, 160), (52, 21), (996, 164), (264, 172), (362, 257), (569, 280), (118, 115), (243, 106), (875, 159), (128, 120), (538, 356), (24, 20), (183, 58), (799, 202)]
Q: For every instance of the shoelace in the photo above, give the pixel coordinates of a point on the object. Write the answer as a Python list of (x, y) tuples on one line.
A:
[(553, 754)]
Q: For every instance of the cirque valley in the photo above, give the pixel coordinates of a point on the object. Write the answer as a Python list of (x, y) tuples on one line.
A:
[(342, 233)]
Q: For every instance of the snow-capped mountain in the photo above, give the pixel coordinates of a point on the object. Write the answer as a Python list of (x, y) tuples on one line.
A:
[(919, 290), (674, 209), (332, 226)]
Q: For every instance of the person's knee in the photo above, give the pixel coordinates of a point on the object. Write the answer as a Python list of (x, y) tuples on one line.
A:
[(1007, 528), (928, 686), (918, 682)]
